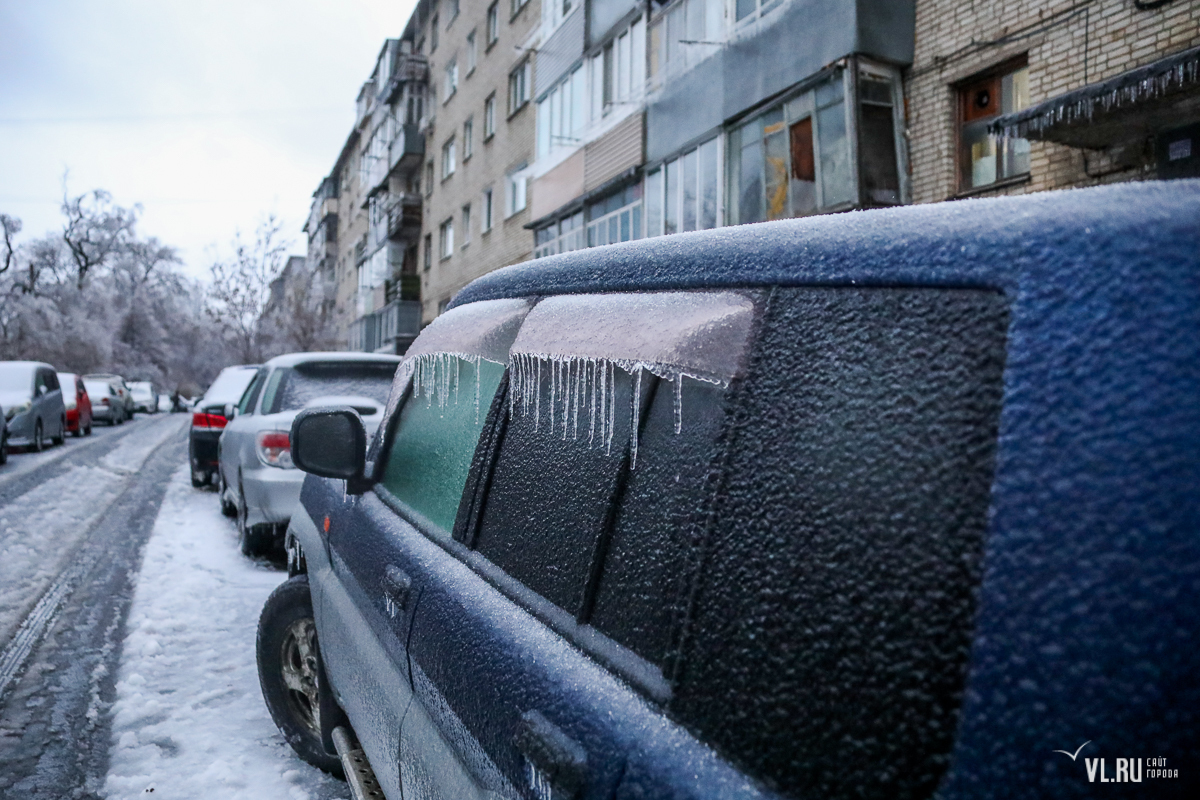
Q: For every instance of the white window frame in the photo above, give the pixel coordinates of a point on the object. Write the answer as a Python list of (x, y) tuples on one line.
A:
[(468, 137), (446, 239), (488, 209), (489, 117), (493, 23), (466, 225), (516, 192), (520, 82), (516, 6), (449, 157), (472, 52), (451, 80)]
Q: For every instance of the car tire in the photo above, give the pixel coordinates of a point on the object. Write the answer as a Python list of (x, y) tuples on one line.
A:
[(62, 434), (4, 449), (78, 430), (88, 430), (287, 655), (39, 442), (227, 508), (199, 480), (254, 540)]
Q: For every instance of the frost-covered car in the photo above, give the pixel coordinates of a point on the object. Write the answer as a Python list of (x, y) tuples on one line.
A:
[(858, 506), (144, 397), (208, 419), (121, 387), (257, 482), (33, 404), (107, 403)]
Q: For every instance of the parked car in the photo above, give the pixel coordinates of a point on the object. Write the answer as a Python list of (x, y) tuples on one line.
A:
[(77, 402), (873, 505), (121, 387), (107, 403), (3, 438), (257, 482), (208, 419), (32, 403), (144, 396)]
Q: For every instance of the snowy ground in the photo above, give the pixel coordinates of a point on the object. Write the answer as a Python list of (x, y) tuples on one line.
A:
[(41, 530), (189, 719), (21, 462)]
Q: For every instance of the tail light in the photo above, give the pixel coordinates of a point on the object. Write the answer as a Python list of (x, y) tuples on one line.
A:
[(207, 422), (103, 401), (274, 448)]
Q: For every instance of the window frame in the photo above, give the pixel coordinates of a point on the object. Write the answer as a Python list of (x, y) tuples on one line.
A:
[(472, 52), (492, 25), (487, 202), (449, 157), (446, 238), (466, 226), (959, 89), (468, 135), (520, 86)]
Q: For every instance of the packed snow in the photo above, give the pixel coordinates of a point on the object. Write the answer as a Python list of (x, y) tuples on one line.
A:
[(189, 720), (41, 530)]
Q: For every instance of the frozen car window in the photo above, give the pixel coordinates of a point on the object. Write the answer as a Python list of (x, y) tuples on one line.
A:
[(228, 386), (436, 435), (300, 385), (96, 388), (836, 598), (250, 396)]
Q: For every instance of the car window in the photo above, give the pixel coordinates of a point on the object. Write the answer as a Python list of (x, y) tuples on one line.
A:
[(292, 388), (592, 377), (250, 396), (844, 551), (51, 379), (435, 439)]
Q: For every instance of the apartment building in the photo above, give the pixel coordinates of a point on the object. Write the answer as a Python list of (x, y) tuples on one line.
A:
[(479, 130), (655, 118), (1024, 96)]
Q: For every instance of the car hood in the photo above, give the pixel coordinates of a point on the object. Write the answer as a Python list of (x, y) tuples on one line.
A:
[(10, 399)]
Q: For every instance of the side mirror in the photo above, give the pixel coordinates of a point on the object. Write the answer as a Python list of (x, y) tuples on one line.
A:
[(330, 443), (230, 410)]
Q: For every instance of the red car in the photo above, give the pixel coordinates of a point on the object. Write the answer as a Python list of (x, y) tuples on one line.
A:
[(79, 405)]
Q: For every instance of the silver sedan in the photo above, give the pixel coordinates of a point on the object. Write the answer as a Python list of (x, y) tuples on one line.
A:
[(257, 481)]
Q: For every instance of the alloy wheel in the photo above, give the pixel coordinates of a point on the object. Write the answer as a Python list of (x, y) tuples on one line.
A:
[(299, 668)]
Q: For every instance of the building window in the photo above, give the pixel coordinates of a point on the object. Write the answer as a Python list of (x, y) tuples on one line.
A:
[(453, 12), (451, 79), (468, 137), (561, 114), (515, 184), (486, 222), (617, 72), (448, 158), (493, 23), (421, 46), (554, 12), (433, 34), (747, 10), (520, 80), (616, 218), (466, 225), (517, 5), (685, 35), (684, 193), (428, 178), (446, 238), (983, 158), (489, 117), (798, 157), (471, 52), (428, 251)]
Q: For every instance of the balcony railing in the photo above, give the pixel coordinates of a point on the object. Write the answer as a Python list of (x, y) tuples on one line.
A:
[(391, 328), (405, 152), (404, 216)]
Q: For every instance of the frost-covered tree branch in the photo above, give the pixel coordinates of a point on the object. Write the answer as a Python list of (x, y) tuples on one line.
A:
[(241, 288)]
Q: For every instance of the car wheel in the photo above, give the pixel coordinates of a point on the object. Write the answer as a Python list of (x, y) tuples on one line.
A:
[(254, 540), (4, 449), (62, 433), (287, 671), (39, 443), (199, 479), (78, 430), (227, 508), (88, 430)]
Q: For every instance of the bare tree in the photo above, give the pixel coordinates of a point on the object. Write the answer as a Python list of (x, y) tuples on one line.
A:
[(96, 229), (241, 288), (11, 226)]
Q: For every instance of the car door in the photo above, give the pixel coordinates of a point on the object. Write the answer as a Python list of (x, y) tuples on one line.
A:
[(56, 410), (544, 633), (237, 439), (368, 606)]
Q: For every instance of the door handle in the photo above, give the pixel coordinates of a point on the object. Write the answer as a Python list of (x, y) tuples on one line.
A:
[(556, 765), (397, 587)]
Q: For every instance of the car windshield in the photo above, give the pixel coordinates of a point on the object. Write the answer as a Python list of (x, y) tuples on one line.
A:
[(300, 385), (16, 378), (140, 390), (229, 385)]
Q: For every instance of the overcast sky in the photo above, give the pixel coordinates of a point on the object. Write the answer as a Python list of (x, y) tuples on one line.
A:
[(210, 114)]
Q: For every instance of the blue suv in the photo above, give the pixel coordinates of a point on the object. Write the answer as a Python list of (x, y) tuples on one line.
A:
[(871, 505)]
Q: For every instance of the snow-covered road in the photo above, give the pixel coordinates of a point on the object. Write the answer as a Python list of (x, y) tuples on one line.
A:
[(189, 719)]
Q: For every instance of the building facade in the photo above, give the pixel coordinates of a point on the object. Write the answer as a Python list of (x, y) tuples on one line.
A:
[(493, 131), (1008, 98)]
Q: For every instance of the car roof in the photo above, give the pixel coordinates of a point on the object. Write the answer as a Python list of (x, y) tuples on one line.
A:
[(293, 359), (26, 364), (992, 242)]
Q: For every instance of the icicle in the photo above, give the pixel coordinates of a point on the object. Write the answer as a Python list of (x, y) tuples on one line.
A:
[(678, 404), (537, 396), (635, 414)]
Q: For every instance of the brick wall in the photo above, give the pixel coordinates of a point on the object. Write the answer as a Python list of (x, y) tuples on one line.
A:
[(957, 39), (512, 145)]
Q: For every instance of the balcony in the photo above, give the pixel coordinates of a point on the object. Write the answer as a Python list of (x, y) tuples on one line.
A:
[(404, 217), (391, 329), (410, 68), (405, 152)]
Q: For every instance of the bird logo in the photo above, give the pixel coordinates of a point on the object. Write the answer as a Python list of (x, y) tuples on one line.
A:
[(1076, 753)]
